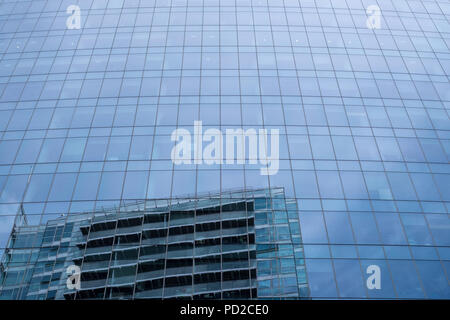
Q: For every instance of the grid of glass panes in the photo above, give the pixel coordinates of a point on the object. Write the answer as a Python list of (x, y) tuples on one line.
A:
[(363, 116)]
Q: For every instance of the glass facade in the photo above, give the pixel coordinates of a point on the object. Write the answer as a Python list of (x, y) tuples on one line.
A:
[(87, 116)]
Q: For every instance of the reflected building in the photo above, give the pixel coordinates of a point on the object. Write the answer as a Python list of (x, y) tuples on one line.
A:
[(228, 246)]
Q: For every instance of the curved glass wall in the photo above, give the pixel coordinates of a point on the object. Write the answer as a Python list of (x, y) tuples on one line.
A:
[(91, 93)]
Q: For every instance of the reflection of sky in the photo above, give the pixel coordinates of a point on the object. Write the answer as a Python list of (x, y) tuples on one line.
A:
[(7, 216), (6, 223), (3, 241)]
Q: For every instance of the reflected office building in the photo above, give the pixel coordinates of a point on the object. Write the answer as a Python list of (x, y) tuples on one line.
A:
[(116, 158), (228, 246)]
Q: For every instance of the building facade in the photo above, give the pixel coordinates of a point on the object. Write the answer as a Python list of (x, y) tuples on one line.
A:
[(345, 100)]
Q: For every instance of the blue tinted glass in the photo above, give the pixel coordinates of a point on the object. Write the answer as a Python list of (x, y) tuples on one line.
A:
[(87, 127)]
